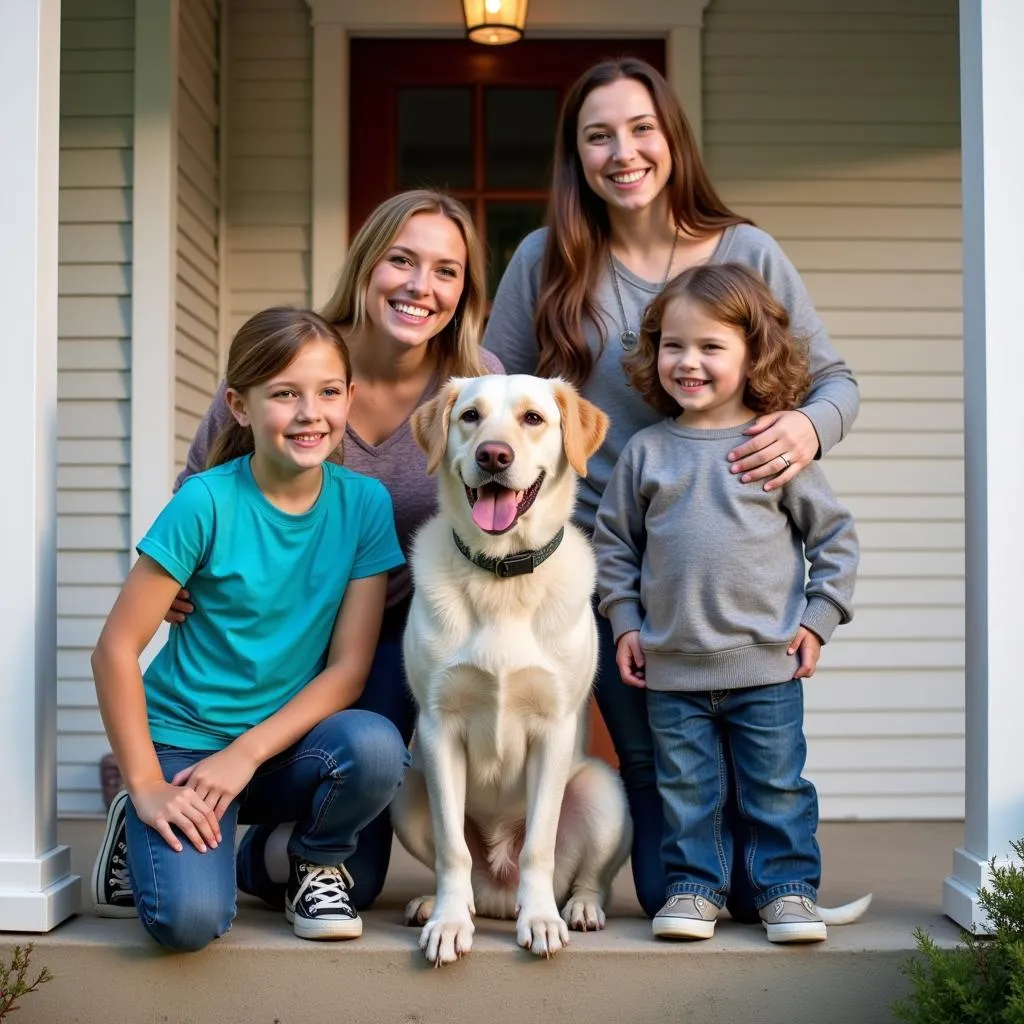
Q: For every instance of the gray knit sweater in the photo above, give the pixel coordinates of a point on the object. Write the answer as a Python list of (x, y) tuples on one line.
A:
[(712, 571), (831, 405)]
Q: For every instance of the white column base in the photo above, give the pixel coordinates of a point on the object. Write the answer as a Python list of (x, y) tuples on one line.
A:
[(38, 893), (960, 889)]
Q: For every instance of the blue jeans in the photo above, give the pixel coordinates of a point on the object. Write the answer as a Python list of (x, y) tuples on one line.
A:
[(386, 694), (624, 709), (335, 780), (749, 741)]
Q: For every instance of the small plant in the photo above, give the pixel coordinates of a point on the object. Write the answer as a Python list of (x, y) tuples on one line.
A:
[(14, 981), (981, 980)]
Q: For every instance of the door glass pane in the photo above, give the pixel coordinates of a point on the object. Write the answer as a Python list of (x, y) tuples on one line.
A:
[(507, 225), (520, 136), (434, 138)]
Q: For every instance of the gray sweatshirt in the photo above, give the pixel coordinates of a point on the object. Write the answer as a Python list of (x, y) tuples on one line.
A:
[(831, 405), (712, 571), (397, 462)]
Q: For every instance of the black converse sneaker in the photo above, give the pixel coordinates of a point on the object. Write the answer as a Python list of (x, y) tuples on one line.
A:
[(317, 902), (111, 885)]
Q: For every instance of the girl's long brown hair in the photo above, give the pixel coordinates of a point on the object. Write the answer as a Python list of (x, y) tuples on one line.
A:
[(778, 375), (458, 344), (263, 347), (578, 225)]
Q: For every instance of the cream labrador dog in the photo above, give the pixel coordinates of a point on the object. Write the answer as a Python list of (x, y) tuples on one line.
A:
[(500, 652)]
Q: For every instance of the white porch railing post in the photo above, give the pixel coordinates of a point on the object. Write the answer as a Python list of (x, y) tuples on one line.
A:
[(992, 82), (37, 889)]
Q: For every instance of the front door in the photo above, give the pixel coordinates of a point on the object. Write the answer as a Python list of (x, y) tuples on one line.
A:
[(476, 121)]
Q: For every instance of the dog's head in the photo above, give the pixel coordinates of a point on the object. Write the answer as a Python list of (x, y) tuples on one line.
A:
[(509, 450)]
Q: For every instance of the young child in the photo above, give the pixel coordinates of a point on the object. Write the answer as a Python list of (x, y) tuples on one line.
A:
[(241, 715), (703, 581)]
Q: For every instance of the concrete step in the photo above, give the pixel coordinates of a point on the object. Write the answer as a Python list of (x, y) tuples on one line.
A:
[(109, 971)]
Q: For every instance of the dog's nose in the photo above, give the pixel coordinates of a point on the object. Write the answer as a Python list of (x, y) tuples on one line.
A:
[(494, 456)]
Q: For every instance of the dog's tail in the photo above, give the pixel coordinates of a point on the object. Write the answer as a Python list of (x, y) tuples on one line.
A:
[(847, 913)]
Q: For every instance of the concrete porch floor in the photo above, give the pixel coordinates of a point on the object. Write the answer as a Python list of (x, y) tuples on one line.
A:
[(107, 972)]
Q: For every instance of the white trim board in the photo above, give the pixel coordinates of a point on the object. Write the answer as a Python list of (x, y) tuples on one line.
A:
[(587, 17)]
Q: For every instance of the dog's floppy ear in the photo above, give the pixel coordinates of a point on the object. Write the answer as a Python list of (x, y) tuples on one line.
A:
[(430, 423), (583, 425)]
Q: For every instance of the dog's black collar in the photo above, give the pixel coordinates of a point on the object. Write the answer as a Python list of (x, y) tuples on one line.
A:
[(512, 565)]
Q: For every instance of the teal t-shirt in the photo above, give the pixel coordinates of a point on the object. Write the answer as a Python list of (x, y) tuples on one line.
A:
[(266, 587)]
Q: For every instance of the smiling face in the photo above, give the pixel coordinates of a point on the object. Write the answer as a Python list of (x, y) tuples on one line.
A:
[(297, 416), (624, 154), (505, 442), (414, 290), (508, 450), (702, 365)]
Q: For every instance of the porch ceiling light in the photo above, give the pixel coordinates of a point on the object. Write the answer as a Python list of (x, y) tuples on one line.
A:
[(494, 22)]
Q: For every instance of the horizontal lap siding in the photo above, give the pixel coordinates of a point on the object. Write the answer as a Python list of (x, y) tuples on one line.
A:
[(834, 124), (269, 145), (94, 368), (197, 295)]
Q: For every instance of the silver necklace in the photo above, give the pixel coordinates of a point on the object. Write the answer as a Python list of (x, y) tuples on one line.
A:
[(629, 339)]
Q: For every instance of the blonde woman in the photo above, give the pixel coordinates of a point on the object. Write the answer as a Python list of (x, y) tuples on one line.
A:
[(410, 303)]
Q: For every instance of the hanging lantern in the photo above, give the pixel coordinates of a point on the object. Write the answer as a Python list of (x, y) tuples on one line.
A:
[(495, 22)]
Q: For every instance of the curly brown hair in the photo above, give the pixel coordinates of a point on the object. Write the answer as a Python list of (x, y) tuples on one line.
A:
[(778, 376)]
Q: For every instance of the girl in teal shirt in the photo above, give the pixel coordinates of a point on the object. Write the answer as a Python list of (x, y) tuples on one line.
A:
[(244, 715)]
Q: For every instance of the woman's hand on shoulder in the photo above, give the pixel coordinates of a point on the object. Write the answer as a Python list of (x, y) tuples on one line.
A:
[(162, 804), (219, 778), (783, 443)]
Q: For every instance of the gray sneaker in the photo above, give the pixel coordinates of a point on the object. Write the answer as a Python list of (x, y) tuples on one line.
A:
[(793, 919), (685, 917)]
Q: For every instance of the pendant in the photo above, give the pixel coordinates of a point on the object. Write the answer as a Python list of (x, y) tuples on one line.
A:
[(629, 339)]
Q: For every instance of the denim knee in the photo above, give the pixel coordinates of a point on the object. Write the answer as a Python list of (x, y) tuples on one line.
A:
[(187, 927), (375, 756)]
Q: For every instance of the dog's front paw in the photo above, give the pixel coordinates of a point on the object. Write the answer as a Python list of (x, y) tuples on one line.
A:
[(542, 933), (447, 937), (417, 911), (582, 912)]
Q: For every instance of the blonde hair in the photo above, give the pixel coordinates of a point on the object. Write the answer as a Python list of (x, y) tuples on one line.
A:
[(458, 344), (778, 376), (264, 346)]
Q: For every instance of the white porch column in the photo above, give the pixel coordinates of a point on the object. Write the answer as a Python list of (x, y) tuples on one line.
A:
[(37, 889), (154, 263), (992, 82), (330, 157)]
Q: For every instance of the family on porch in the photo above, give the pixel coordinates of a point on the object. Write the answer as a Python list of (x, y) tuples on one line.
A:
[(280, 699)]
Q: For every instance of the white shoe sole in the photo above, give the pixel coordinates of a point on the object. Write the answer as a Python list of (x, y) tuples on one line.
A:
[(804, 931), (104, 909), (326, 929), (682, 928)]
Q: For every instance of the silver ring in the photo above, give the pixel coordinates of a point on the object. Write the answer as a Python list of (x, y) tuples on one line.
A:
[(785, 460)]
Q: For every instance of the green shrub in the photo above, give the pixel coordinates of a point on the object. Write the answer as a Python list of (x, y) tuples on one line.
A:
[(14, 981), (981, 980)]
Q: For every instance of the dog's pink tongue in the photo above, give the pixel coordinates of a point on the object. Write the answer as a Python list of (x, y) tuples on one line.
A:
[(495, 508)]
